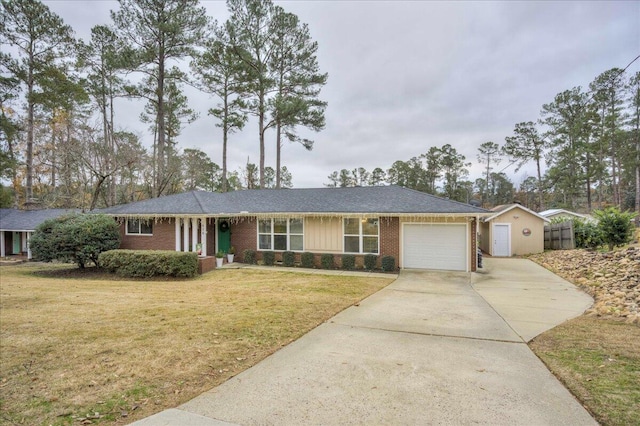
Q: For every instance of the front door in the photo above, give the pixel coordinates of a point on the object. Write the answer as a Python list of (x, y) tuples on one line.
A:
[(224, 235), (501, 239), (16, 242)]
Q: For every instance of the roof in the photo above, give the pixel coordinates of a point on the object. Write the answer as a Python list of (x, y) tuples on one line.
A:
[(498, 210), (355, 200), (28, 220), (555, 212)]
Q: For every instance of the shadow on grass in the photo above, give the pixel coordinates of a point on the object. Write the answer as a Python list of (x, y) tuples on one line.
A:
[(66, 272)]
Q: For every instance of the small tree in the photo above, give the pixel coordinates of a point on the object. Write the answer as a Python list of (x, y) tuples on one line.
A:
[(615, 226), (75, 238)]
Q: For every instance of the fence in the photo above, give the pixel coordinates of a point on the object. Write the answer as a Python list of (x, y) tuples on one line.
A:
[(559, 236)]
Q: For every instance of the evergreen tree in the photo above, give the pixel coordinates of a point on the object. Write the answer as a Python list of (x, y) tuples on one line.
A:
[(158, 33), (40, 39)]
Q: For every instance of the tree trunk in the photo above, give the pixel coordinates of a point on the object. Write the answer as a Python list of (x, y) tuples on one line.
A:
[(262, 129), (278, 149), (30, 112), (160, 123)]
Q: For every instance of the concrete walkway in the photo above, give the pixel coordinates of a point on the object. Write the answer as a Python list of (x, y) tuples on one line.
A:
[(431, 348)]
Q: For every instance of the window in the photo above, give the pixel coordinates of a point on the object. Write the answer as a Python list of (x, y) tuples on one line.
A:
[(139, 227), (361, 235), (281, 234)]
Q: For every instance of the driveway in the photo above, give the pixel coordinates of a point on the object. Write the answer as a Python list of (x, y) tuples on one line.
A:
[(431, 348)]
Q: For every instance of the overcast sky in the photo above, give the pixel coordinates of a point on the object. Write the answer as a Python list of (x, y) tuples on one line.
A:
[(406, 76)]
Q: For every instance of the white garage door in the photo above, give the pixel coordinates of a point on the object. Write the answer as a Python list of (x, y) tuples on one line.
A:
[(435, 246)]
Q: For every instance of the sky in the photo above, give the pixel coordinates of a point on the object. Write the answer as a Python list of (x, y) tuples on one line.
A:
[(406, 76)]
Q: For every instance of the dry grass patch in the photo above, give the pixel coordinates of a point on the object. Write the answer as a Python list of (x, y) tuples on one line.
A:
[(599, 361), (95, 348)]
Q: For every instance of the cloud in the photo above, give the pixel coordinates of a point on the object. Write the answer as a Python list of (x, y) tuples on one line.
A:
[(405, 76)]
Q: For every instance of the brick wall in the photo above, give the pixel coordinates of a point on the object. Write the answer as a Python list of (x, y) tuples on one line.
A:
[(244, 236), (163, 238), (390, 238)]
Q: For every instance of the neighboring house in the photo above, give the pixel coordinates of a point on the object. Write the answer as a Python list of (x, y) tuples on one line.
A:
[(16, 227), (419, 230), (512, 230), (554, 214)]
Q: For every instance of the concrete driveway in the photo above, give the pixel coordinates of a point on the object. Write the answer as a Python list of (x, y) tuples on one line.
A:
[(431, 348)]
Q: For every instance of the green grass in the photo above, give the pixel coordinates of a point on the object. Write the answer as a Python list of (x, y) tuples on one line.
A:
[(76, 343), (599, 361)]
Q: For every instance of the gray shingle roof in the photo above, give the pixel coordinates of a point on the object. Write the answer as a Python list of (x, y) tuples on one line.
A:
[(359, 200), (28, 220)]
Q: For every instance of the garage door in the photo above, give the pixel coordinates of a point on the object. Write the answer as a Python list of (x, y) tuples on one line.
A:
[(435, 246)]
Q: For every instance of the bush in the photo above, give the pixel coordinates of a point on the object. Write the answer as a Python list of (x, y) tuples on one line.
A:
[(370, 262), (307, 260), (326, 260), (388, 263), (249, 256), (269, 258), (348, 262), (76, 238), (587, 234), (288, 258), (615, 226), (150, 263)]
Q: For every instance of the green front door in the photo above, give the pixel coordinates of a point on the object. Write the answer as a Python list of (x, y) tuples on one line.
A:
[(16, 243), (224, 235)]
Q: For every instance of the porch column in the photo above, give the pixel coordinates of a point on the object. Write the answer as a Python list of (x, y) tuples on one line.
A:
[(194, 234), (29, 245), (2, 253), (203, 235), (185, 234), (177, 234)]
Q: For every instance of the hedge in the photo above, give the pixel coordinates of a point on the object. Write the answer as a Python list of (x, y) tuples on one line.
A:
[(388, 263), (326, 260), (288, 258), (348, 262), (150, 263), (269, 258), (249, 256), (370, 261), (307, 260)]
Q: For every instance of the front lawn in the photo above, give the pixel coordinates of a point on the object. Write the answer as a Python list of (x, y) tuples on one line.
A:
[(91, 348), (598, 360)]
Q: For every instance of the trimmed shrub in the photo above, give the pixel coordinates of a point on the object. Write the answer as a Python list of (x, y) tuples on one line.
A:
[(307, 260), (616, 227), (269, 258), (326, 260), (288, 258), (587, 234), (249, 256), (388, 263), (76, 238), (370, 262), (150, 263), (348, 262)]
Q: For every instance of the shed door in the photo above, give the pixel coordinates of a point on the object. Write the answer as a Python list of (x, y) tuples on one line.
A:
[(501, 239), (435, 246)]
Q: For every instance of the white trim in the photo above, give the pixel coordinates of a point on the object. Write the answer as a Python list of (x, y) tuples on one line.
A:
[(136, 234), (203, 235), (194, 234), (185, 234), (493, 239), (177, 233), (360, 236), (513, 206), (2, 251), (272, 234)]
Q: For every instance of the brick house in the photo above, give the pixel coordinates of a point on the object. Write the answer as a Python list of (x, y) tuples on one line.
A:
[(419, 230)]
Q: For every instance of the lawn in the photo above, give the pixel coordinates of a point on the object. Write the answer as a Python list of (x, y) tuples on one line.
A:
[(93, 348), (598, 360)]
